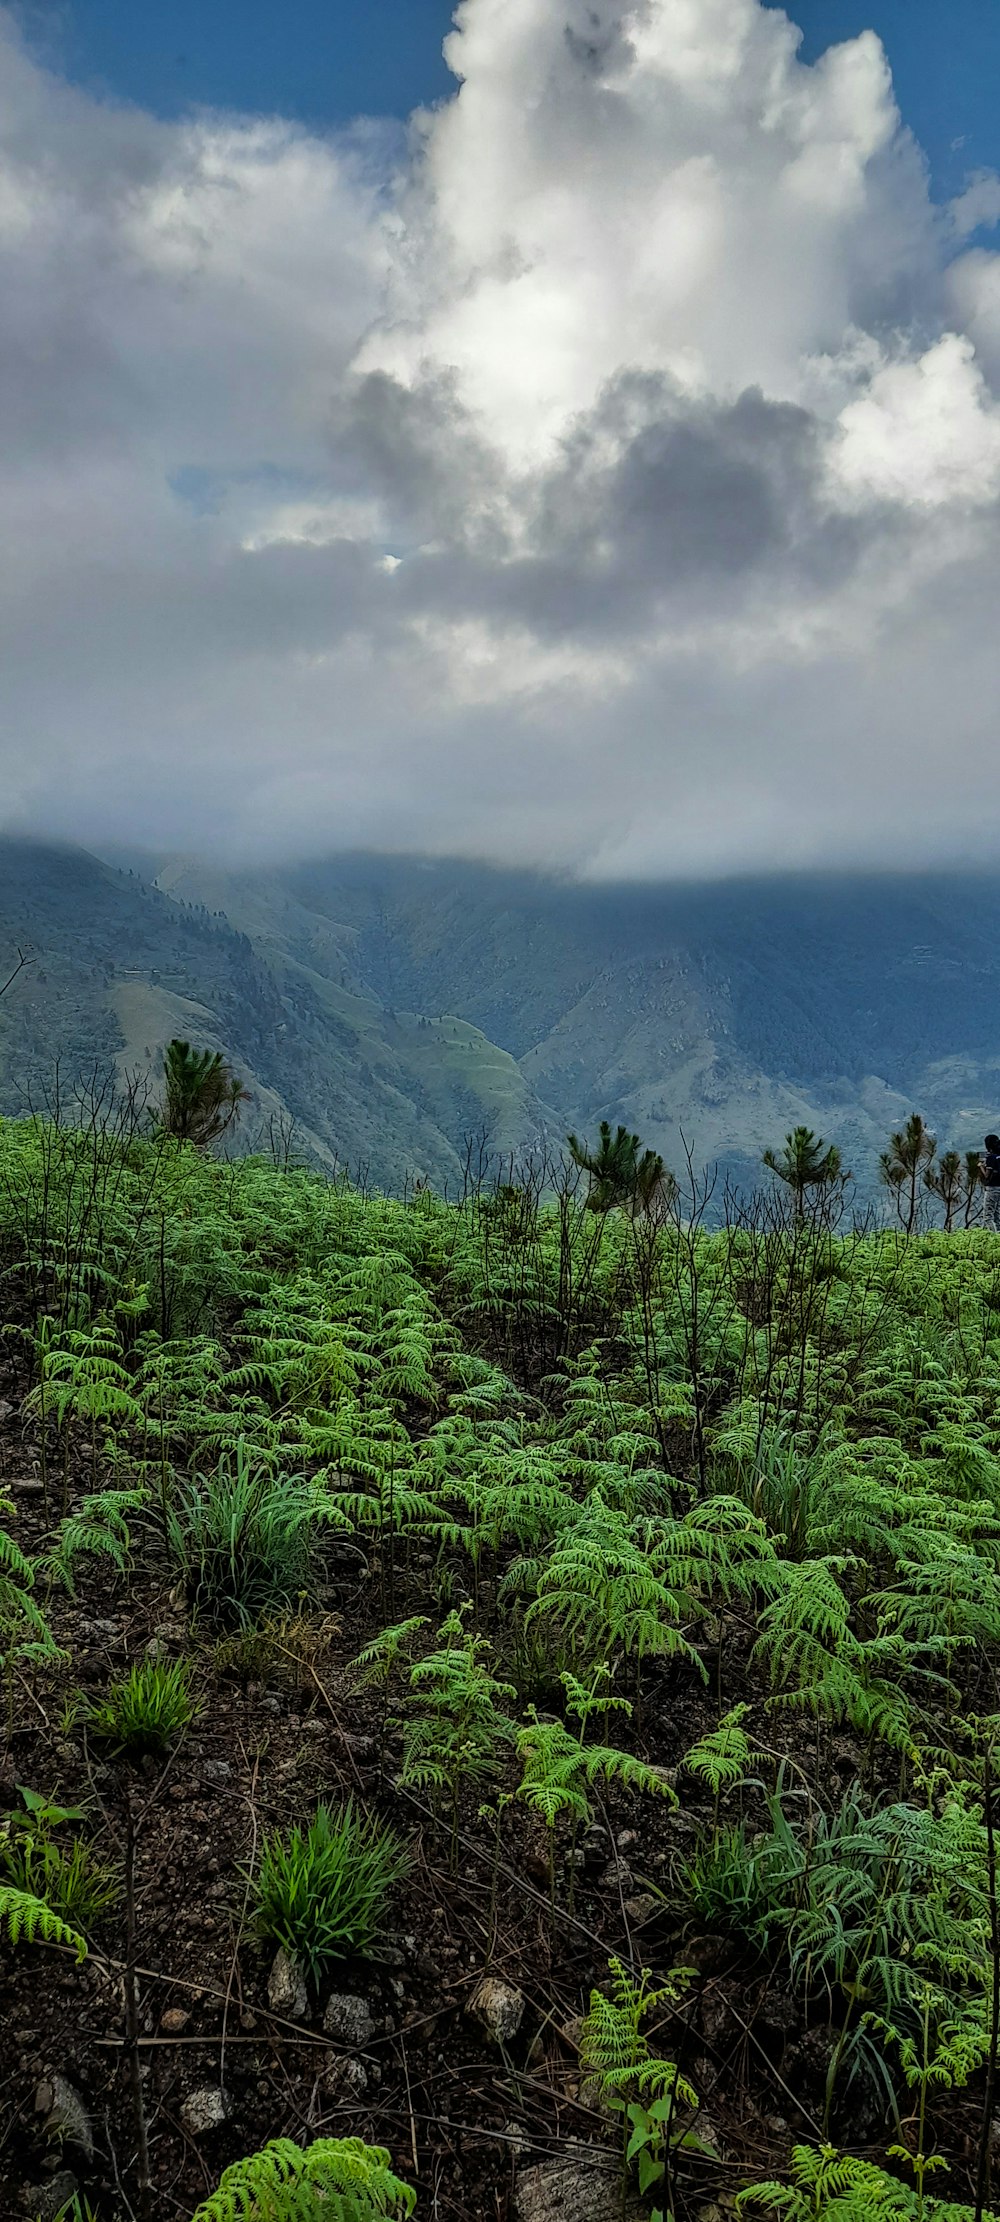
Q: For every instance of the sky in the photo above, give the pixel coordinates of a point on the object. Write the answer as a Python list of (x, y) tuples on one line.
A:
[(325, 62), (581, 447)]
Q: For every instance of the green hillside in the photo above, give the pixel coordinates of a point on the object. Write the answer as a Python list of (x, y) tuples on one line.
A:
[(481, 1678), (119, 965), (719, 1015), (394, 1008)]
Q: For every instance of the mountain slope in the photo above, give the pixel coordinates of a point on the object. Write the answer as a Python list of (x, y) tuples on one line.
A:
[(118, 966), (719, 1014), (395, 1006)]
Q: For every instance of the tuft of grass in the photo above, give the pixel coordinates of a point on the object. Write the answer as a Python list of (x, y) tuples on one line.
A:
[(323, 1892), (75, 1883), (148, 1709), (245, 1543), (729, 1888)]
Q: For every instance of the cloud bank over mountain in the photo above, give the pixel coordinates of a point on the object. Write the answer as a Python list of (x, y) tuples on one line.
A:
[(608, 476)]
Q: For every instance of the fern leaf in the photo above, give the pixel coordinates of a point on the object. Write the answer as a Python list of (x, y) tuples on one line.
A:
[(29, 1918)]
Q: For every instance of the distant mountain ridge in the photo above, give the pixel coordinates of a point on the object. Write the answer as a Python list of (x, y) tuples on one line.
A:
[(395, 1005)]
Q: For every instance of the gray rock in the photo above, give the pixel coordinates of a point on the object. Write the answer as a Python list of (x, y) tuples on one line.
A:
[(203, 2110), (286, 1988), (344, 2078), (616, 1876), (65, 2115), (583, 2185), (498, 2008), (642, 1907), (348, 2019), (47, 2200)]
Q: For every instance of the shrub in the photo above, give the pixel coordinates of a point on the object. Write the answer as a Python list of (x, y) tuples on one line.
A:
[(146, 1710), (322, 1892), (828, 2186)]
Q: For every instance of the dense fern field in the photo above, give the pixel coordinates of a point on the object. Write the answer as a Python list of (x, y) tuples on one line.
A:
[(500, 1700)]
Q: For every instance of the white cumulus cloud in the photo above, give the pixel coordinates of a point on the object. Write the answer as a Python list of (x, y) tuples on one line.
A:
[(608, 475)]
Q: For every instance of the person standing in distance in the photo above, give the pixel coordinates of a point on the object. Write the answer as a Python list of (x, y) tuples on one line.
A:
[(989, 1167)]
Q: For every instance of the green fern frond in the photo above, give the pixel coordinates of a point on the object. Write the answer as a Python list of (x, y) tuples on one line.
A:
[(30, 1920), (340, 2178), (828, 2186), (722, 1756)]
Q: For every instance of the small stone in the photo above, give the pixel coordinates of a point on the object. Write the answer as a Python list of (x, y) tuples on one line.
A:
[(642, 1907), (66, 2116), (203, 2110), (174, 2020), (46, 2201), (286, 1987), (498, 2007), (348, 2019), (616, 1876), (344, 2078)]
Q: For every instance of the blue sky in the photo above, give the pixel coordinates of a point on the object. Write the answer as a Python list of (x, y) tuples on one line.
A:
[(329, 60)]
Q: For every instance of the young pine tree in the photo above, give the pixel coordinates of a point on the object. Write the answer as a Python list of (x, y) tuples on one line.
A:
[(804, 1163), (904, 1166), (946, 1181), (203, 1097), (621, 1173)]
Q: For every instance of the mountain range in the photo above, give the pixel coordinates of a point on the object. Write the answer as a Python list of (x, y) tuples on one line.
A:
[(394, 1006)]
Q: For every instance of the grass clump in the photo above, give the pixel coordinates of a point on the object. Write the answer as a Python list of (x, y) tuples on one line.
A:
[(147, 1710), (323, 1892), (74, 1882), (245, 1543), (733, 1886)]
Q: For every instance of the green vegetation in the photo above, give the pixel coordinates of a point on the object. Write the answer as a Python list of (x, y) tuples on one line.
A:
[(628, 1585), (202, 1096), (147, 1710), (339, 2177), (244, 1542), (622, 1173), (323, 1892), (23, 1917), (804, 1164), (70, 1879)]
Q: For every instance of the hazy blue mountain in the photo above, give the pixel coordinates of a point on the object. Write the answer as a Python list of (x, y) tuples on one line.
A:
[(720, 1014), (118, 966), (395, 1005)]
